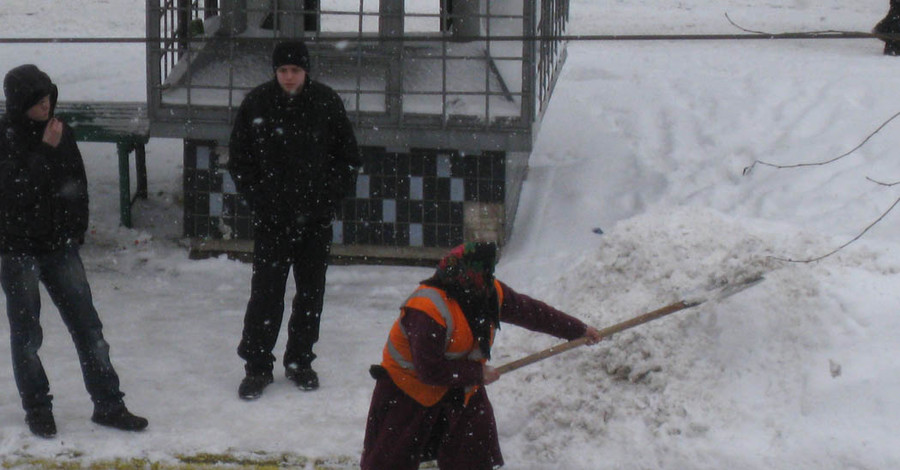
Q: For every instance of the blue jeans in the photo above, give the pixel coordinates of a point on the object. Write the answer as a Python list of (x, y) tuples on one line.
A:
[(62, 274)]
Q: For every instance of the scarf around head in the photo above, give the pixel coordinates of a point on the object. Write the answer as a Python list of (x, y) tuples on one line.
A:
[(466, 275)]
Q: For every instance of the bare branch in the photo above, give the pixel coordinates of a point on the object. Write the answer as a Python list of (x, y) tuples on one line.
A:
[(749, 169), (793, 33), (882, 183), (857, 237), (743, 28)]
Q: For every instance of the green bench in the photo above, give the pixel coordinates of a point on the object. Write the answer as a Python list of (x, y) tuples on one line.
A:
[(122, 123)]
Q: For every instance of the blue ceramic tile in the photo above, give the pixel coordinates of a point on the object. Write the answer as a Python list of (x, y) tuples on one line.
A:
[(443, 165), (416, 188), (415, 235), (457, 189), (338, 231), (215, 204), (362, 186), (389, 210), (203, 158)]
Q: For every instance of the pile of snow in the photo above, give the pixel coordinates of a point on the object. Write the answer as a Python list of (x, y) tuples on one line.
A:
[(714, 384)]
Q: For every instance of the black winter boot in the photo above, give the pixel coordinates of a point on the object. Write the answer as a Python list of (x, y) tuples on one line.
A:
[(117, 416), (253, 385), (41, 423), (305, 378), (892, 48)]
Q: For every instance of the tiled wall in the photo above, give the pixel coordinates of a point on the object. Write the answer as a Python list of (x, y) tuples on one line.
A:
[(403, 198)]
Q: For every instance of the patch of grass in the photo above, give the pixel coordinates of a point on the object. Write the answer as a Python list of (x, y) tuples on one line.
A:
[(200, 461), (260, 461), (52, 464)]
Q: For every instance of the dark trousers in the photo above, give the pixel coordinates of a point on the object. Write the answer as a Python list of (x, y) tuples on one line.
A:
[(273, 257), (401, 433), (62, 274)]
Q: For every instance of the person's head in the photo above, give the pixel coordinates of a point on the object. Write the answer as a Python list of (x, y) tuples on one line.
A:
[(29, 93), (290, 61), (469, 266), (40, 112)]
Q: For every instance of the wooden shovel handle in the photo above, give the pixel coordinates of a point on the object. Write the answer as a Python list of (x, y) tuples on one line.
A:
[(561, 348)]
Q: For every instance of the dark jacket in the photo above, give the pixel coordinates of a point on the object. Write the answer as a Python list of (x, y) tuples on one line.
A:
[(43, 190), (293, 158)]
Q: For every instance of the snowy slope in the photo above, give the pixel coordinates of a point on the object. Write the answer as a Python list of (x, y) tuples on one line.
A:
[(644, 140)]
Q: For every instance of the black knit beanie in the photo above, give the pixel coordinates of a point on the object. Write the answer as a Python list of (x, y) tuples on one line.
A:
[(291, 53), (25, 86)]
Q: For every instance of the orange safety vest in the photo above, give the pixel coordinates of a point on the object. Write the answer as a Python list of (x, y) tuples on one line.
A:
[(459, 343)]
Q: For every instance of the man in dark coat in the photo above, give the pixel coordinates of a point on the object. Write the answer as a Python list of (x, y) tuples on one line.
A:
[(293, 157), (430, 400), (890, 25), (43, 219)]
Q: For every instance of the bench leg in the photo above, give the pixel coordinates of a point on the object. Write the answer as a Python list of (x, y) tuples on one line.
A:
[(124, 184), (140, 168)]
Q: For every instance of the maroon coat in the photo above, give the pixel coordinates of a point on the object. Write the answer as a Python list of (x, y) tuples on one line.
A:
[(401, 433)]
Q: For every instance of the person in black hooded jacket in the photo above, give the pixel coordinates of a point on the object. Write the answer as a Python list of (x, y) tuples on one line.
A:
[(43, 219), (293, 157)]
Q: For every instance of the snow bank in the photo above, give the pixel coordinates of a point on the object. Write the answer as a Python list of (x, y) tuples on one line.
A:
[(756, 371)]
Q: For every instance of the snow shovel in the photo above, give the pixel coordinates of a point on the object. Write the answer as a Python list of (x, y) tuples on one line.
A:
[(685, 303)]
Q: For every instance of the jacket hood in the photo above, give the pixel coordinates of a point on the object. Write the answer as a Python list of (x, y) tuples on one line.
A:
[(24, 86)]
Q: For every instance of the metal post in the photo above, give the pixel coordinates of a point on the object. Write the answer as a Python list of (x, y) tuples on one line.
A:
[(182, 26), (311, 16), (466, 19), (390, 19), (529, 64), (297, 16), (446, 15), (210, 8), (234, 17), (154, 57), (391, 25)]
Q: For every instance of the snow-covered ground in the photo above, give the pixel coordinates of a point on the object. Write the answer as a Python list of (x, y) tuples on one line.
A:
[(646, 141)]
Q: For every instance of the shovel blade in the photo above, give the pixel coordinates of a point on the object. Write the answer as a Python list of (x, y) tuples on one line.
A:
[(725, 291)]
